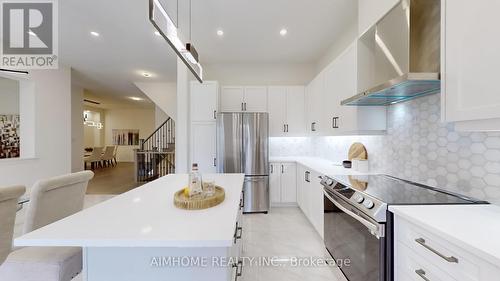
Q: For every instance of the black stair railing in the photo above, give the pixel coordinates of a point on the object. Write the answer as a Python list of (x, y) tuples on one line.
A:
[(156, 156)]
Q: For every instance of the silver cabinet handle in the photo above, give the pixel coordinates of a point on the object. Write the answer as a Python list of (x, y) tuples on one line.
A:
[(282, 169), (215, 162), (335, 125), (421, 273), (421, 241), (242, 108), (284, 128), (272, 169), (287, 128), (313, 127), (238, 231), (215, 114), (239, 269)]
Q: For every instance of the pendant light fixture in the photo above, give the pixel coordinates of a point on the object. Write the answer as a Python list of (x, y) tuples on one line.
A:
[(168, 30)]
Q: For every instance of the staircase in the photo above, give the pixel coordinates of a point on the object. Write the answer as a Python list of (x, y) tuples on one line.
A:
[(156, 156)]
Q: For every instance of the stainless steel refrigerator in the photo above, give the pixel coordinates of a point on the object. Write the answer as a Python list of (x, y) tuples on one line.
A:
[(243, 147)]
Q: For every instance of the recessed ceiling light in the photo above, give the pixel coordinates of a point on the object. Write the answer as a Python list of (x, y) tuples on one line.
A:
[(283, 32), (136, 98), (146, 74), (95, 34), (220, 32), (157, 33)]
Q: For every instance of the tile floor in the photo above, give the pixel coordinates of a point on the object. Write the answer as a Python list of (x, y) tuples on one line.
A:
[(284, 233)]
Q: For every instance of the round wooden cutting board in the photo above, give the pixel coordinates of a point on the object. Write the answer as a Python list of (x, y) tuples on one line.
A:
[(357, 151)]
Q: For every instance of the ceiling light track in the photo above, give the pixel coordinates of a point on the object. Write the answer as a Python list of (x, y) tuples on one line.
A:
[(168, 30)]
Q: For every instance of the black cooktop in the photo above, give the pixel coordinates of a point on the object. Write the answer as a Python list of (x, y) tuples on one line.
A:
[(394, 191)]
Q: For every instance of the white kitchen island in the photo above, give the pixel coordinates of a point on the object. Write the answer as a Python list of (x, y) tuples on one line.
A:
[(141, 235)]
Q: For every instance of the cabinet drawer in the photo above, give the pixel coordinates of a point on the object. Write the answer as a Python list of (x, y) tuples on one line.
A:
[(437, 251), (411, 267)]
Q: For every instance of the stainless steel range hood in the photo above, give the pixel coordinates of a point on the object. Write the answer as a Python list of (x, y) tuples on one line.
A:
[(401, 54)]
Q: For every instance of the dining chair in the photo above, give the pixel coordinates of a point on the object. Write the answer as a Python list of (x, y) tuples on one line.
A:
[(114, 154), (9, 197), (94, 158), (107, 157), (50, 200)]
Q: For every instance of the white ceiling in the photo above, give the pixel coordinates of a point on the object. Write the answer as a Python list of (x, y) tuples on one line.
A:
[(127, 45)]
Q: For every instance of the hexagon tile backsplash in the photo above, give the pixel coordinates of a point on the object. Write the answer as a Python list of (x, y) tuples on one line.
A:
[(419, 147)]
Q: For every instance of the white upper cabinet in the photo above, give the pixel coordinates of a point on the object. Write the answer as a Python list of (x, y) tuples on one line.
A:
[(204, 101), (231, 99), (277, 111), (341, 82), (314, 105), (287, 110), (239, 98), (255, 99), (470, 60), (295, 107)]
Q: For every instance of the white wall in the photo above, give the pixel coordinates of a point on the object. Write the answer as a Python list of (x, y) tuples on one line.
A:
[(160, 116), (370, 11), (9, 96), (76, 128), (350, 34), (52, 137), (259, 74), (164, 95), (141, 119)]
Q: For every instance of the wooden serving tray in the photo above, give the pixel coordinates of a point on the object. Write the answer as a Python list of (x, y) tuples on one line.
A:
[(181, 201)]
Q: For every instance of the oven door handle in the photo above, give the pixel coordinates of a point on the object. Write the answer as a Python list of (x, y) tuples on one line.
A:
[(375, 229)]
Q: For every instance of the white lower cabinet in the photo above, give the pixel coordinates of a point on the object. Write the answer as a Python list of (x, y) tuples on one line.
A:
[(282, 183), (301, 196), (420, 254), (237, 248), (203, 146), (310, 196)]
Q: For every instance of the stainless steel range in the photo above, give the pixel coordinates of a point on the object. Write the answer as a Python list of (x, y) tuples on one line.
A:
[(358, 227)]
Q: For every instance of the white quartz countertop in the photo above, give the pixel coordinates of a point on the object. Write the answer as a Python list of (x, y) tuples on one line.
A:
[(474, 228), (321, 166), (147, 217)]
